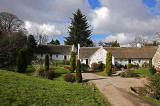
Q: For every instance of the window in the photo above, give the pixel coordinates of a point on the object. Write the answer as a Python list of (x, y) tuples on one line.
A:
[(87, 61)]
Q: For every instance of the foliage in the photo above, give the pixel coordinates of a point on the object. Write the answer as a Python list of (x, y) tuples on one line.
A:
[(152, 70), (56, 42), (109, 44), (141, 71), (10, 44), (84, 67), (51, 74), (145, 65), (22, 61), (39, 70), (22, 90), (78, 72), (150, 63), (108, 67), (101, 66), (115, 44), (72, 61), (128, 73), (46, 63), (69, 77), (153, 86), (79, 31), (132, 66), (94, 66)]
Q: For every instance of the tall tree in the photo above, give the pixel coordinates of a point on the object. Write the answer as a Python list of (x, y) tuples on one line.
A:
[(56, 42), (79, 31), (78, 72), (72, 61), (10, 23), (31, 42)]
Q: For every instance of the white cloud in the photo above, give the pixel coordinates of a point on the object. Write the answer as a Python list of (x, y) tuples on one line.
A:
[(47, 29), (124, 19)]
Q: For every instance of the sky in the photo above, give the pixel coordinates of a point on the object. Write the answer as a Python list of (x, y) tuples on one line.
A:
[(110, 20)]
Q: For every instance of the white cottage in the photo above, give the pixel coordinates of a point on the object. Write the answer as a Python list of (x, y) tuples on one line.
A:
[(120, 55), (56, 52)]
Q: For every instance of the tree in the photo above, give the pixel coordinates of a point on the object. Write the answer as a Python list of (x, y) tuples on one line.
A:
[(72, 61), (56, 42), (108, 68), (46, 64), (10, 23), (109, 44), (22, 61), (79, 31), (138, 40), (78, 72), (31, 42)]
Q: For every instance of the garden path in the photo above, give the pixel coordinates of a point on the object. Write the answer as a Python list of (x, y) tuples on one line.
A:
[(117, 89)]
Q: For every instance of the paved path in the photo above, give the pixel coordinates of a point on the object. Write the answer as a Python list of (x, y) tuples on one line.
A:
[(117, 89)]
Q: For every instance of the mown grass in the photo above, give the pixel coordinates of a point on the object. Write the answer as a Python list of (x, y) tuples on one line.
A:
[(152, 100), (141, 71), (102, 73), (21, 89)]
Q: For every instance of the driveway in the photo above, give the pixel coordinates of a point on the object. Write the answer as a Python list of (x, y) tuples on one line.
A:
[(117, 89)]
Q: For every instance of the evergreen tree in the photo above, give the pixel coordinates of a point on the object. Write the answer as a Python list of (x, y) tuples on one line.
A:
[(108, 68), (72, 61), (115, 44), (56, 42), (79, 31), (46, 63), (22, 61), (31, 42), (78, 72)]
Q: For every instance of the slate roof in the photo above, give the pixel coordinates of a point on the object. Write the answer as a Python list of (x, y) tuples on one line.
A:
[(122, 52), (54, 49)]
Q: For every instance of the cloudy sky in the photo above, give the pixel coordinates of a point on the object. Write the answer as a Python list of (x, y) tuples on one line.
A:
[(110, 20)]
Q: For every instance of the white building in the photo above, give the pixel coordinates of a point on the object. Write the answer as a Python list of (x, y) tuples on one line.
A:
[(56, 52), (120, 55)]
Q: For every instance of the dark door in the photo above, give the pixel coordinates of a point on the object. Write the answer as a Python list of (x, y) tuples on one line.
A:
[(87, 61), (129, 60)]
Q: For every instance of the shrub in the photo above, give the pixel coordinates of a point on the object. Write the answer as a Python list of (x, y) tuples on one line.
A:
[(128, 73), (78, 72), (84, 67), (72, 61), (132, 66), (108, 68), (46, 63), (153, 86), (39, 71), (94, 66), (152, 70), (145, 65), (101, 66), (51, 75), (22, 61), (65, 62), (66, 67), (69, 77)]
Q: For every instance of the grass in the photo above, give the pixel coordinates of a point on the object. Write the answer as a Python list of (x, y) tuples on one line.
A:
[(21, 89), (102, 73), (155, 101), (141, 71)]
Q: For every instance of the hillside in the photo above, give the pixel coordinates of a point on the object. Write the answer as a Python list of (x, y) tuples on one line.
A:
[(20, 89)]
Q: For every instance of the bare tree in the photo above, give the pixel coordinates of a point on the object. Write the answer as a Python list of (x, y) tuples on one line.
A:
[(156, 38), (10, 23), (138, 40)]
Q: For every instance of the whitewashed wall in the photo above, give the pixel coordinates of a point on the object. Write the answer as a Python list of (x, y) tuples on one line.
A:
[(133, 61), (54, 57), (100, 55)]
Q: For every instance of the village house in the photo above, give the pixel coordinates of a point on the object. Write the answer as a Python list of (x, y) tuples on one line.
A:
[(120, 55), (56, 52)]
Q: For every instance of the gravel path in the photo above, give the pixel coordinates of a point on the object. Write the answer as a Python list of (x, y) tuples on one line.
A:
[(117, 89)]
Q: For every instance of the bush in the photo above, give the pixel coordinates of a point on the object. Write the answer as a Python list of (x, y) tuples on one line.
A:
[(39, 71), (78, 72), (145, 65), (84, 67), (152, 70), (51, 75), (128, 73), (101, 66), (65, 62), (69, 77), (22, 61), (46, 63), (72, 61), (153, 86), (66, 67), (94, 66), (108, 68)]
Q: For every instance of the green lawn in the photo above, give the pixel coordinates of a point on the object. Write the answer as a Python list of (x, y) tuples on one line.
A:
[(141, 71), (101, 73), (20, 89), (155, 101)]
